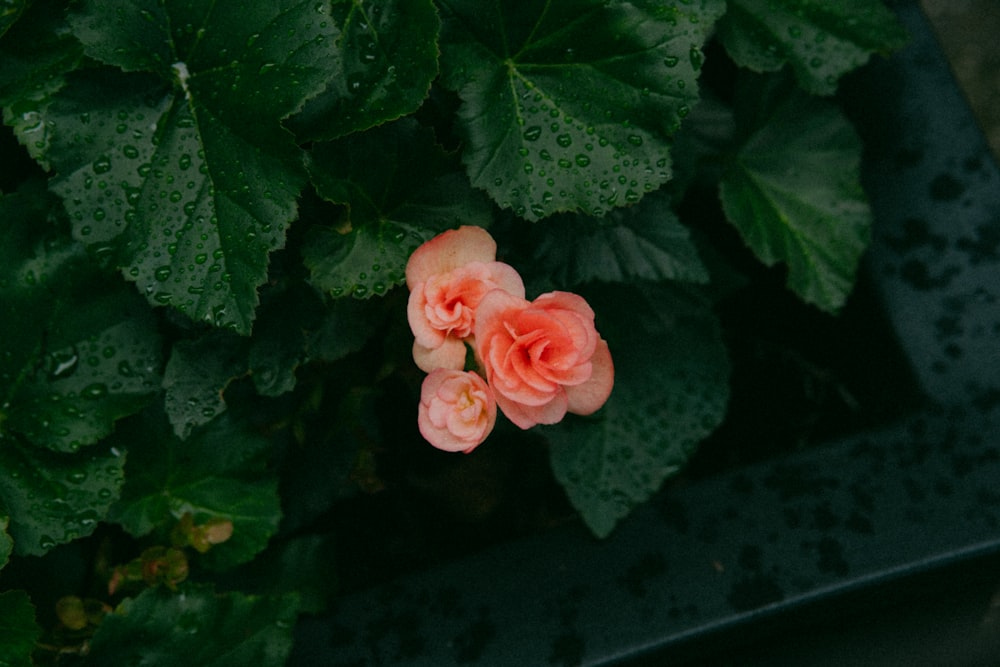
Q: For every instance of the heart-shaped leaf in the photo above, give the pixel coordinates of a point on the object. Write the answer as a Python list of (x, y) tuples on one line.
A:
[(568, 106), (671, 390), (184, 173), (794, 193)]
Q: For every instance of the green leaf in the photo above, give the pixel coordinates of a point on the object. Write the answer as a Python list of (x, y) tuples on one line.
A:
[(197, 373), (819, 41), (54, 498), (644, 242), (217, 473), (794, 194), (182, 169), (671, 390), (6, 543), (569, 106), (20, 631), (81, 350), (196, 626), (35, 53), (411, 193), (388, 56), (10, 12)]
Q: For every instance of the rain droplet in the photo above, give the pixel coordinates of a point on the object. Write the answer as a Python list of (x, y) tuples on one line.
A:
[(564, 140), (533, 133), (162, 273), (102, 165), (696, 57), (77, 476), (94, 391)]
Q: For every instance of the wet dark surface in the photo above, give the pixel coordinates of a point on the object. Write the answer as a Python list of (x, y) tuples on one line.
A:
[(876, 548)]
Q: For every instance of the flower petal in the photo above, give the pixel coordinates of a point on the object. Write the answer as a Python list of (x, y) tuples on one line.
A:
[(587, 398), (448, 251), (525, 416), (449, 354)]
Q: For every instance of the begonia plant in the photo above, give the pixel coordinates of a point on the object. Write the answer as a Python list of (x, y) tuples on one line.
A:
[(252, 251)]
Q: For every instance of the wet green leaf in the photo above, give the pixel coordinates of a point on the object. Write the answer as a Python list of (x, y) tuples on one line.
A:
[(218, 473), (819, 41), (6, 544), (561, 99), (644, 242), (10, 11), (81, 349), (671, 390), (794, 193), (53, 498), (182, 169), (196, 374), (35, 53), (20, 631), (196, 626), (388, 55), (396, 202)]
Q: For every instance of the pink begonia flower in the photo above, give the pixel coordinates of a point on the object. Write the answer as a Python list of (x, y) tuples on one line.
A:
[(542, 358), (457, 410), (447, 277)]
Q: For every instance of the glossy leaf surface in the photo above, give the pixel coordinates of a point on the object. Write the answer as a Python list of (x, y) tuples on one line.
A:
[(819, 41), (645, 242), (563, 100), (54, 498), (81, 349), (794, 194), (388, 57), (671, 390), (182, 169), (196, 374)]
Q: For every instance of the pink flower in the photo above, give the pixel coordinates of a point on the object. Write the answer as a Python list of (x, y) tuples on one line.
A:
[(457, 410), (447, 277), (542, 358)]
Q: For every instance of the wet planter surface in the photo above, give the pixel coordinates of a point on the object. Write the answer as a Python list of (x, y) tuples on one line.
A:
[(897, 507)]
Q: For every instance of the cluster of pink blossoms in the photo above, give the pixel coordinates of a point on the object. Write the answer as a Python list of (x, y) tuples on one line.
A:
[(536, 360)]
